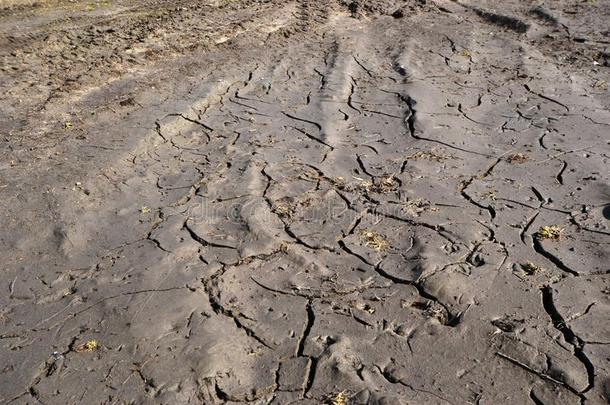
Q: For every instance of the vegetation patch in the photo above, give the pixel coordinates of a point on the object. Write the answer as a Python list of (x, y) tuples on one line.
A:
[(431, 155), (339, 399), (531, 268), (374, 240), (517, 158), (88, 347), (552, 232)]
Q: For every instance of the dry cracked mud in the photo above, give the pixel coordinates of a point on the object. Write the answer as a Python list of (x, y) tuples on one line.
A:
[(305, 201)]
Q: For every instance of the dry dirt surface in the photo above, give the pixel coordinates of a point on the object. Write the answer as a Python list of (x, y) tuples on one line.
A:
[(305, 202)]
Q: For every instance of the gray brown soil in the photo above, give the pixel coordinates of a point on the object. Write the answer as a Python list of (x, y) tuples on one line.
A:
[(307, 201)]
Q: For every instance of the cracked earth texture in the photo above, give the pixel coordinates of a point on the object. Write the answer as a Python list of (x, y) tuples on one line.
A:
[(277, 202)]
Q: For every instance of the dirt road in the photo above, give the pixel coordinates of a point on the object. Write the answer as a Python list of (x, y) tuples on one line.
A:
[(276, 202)]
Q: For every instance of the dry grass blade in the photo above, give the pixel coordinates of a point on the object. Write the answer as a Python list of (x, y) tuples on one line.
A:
[(89, 346), (552, 232), (531, 268), (430, 155), (517, 158), (374, 240), (339, 399)]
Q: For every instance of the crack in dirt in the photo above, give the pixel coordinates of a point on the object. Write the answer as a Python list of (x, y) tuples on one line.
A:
[(210, 285), (577, 344), (552, 258)]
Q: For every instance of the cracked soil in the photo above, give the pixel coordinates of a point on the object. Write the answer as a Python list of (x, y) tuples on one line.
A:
[(305, 202)]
